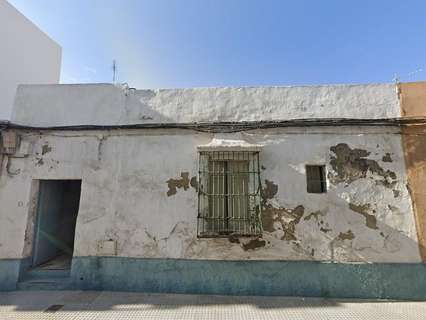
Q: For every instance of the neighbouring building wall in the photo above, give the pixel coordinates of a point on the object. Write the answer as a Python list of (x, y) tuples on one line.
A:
[(139, 190), (413, 104), (28, 56)]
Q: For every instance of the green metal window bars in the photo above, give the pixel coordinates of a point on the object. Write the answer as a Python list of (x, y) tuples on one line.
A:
[(229, 200)]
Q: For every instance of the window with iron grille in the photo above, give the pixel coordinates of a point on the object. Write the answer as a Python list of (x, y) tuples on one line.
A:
[(315, 179), (229, 194)]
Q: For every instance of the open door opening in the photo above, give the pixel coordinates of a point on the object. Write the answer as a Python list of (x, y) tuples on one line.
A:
[(57, 210)]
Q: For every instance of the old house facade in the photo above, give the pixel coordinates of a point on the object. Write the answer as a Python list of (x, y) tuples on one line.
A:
[(273, 191)]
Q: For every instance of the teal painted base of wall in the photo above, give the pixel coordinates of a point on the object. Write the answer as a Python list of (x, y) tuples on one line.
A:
[(9, 273), (304, 278)]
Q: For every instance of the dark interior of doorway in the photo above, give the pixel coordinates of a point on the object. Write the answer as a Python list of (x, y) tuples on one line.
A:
[(57, 210)]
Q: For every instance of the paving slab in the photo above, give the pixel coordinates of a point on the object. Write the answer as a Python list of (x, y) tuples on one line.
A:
[(93, 305)]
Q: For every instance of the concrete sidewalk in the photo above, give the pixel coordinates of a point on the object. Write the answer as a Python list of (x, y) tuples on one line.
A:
[(123, 305)]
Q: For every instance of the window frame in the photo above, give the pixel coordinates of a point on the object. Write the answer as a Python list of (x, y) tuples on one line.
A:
[(322, 180)]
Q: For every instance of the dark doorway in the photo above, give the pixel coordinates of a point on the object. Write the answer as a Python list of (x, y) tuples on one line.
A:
[(57, 210)]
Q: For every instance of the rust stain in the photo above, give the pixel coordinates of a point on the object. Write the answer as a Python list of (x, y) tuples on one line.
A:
[(370, 220), (348, 235), (175, 184), (352, 164)]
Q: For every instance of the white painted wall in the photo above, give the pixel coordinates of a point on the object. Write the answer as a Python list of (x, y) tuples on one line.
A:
[(124, 195), (105, 104), (27, 55)]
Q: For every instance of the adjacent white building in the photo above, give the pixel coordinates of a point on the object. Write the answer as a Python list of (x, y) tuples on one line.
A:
[(27, 56)]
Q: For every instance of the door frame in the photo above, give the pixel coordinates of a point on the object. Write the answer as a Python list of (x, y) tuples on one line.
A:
[(37, 216)]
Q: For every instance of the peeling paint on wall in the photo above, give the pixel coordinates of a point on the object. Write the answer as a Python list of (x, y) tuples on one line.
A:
[(183, 183), (194, 183), (127, 206), (370, 219), (175, 184), (252, 244), (387, 157), (315, 214), (286, 218), (348, 235), (269, 191), (352, 164), (45, 149), (325, 230)]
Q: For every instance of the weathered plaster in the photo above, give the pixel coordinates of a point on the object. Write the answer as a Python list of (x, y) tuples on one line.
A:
[(124, 196), (105, 104)]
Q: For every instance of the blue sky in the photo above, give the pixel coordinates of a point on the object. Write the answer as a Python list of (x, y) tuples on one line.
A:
[(199, 43)]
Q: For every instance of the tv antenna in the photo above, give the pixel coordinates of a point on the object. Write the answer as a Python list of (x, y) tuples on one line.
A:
[(114, 70)]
